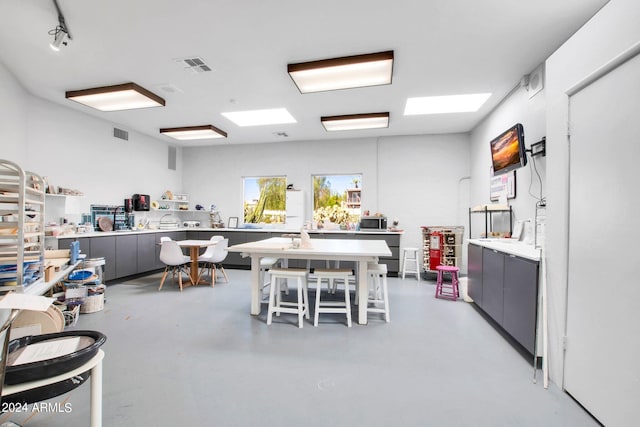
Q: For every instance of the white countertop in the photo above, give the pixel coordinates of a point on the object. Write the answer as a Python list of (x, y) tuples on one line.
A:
[(254, 230), (508, 246)]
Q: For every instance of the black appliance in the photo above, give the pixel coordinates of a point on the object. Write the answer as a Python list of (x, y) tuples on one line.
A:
[(128, 205), (373, 223), (141, 202)]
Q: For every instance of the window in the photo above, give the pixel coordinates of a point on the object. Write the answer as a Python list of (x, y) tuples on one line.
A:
[(336, 199), (264, 200)]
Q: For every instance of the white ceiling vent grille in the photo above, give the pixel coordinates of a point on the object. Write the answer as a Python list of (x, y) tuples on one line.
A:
[(194, 64), (122, 134)]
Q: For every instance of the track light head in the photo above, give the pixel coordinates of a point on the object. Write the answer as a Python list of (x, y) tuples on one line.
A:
[(61, 32), (59, 38)]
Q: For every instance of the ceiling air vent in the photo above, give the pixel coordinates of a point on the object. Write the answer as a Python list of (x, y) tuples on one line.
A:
[(122, 134), (194, 64)]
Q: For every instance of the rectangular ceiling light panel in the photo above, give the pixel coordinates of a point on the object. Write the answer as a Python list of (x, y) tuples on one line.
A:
[(372, 69), (445, 104), (194, 132), (355, 121), (274, 116), (126, 96)]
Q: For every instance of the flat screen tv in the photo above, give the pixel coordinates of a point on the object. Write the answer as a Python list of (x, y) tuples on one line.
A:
[(508, 151)]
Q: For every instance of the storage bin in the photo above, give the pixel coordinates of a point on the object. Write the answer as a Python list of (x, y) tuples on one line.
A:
[(94, 300)]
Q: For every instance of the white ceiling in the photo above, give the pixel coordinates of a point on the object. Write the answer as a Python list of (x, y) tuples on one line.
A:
[(441, 47)]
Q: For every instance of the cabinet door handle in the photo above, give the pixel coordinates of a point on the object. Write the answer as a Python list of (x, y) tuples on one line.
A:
[(512, 256), (494, 251)]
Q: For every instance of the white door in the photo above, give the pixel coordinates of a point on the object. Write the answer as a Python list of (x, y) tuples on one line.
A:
[(602, 359)]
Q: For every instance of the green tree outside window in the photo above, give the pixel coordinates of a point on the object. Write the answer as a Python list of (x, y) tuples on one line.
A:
[(265, 200)]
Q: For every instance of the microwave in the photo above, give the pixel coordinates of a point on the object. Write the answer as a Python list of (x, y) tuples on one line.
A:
[(373, 223)]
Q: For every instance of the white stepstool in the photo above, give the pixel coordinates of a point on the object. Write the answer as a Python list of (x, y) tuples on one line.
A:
[(276, 305), (379, 293), (410, 255), (266, 263), (332, 276)]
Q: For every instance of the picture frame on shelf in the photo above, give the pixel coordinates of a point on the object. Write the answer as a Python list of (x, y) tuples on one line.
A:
[(233, 222), (501, 183)]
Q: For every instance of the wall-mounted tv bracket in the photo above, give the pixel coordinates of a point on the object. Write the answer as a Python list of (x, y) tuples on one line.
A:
[(538, 148)]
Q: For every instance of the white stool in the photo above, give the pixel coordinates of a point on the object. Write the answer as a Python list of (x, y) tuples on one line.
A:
[(301, 307), (333, 306), (406, 252), (379, 295), (266, 263)]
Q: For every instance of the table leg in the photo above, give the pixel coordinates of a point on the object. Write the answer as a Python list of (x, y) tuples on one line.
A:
[(363, 292), (195, 253), (96, 395), (255, 285)]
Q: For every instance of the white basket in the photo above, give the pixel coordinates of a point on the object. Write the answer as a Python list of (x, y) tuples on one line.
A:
[(93, 303)]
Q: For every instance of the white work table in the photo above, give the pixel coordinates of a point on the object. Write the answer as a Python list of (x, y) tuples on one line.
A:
[(360, 251)]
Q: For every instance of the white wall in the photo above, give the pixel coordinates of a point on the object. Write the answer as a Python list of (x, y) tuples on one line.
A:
[(13, 119), (78, 151), (413, 178), (611, 31), (516, 108)]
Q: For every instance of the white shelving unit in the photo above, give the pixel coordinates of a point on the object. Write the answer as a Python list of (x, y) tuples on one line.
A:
[(22, 198), (173, 204)]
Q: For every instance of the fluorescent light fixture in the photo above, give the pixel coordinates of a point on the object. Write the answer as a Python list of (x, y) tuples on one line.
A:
[(194, 132), (125, 96), (355, 121), (58, 40), (370, 69), (445, 104), (274, 116)]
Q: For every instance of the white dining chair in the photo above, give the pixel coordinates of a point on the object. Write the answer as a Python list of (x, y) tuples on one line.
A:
[(212, 258), (177, 262)]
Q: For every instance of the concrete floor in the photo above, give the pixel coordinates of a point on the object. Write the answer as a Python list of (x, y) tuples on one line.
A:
[(198, 358)]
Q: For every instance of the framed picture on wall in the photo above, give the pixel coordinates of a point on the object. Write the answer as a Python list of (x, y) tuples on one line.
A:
[(233, 222), (505, 182)]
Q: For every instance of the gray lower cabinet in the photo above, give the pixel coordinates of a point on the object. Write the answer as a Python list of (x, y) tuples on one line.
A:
[(493, 283), (146, 256), (234, 259), (393, 241), (126, 255), (85, 245), (130, 254), (474, 273), (505, 287), (105, 247), (520, 300)]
